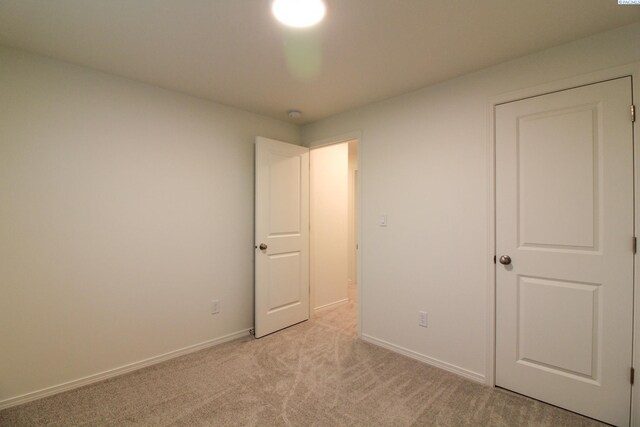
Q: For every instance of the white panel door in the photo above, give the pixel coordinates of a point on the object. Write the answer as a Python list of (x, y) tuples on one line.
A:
[(281, 235), (564, 216)]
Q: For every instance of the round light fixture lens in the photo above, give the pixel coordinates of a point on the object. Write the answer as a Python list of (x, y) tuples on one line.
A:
[(294, 114), (298, 13)]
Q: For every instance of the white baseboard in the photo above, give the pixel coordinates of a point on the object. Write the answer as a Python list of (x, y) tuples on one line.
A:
[(474, 376), (332, 304), (39, 394)]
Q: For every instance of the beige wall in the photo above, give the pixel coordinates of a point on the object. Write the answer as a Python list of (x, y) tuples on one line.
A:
[(352, 225), (124, 210), (329, 224), (424, 162)]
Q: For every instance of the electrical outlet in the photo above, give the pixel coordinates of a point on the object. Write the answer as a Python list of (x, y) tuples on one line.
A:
[(215, 306), (422, 319)]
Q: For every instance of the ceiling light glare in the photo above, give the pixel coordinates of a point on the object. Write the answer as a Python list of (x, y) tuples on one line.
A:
[(298, 13)]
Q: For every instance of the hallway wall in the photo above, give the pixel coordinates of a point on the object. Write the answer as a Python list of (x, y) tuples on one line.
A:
[(329, 225)]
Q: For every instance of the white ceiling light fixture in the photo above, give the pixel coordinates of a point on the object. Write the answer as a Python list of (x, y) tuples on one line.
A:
[(298, 13), (294, 114)]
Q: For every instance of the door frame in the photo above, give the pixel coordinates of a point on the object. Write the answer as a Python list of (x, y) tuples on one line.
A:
[(333, 140), (632, 70)]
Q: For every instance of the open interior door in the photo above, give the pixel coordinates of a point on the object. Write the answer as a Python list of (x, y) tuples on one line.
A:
[(281, 235)]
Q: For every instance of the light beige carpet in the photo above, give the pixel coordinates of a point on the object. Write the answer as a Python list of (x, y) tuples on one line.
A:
[(315, 373)]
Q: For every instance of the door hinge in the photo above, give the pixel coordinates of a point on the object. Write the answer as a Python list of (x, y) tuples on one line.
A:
[(632, 375), (633, 113), (635, 244)]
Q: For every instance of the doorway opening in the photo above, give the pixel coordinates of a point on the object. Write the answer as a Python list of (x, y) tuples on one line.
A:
[(334, 229)]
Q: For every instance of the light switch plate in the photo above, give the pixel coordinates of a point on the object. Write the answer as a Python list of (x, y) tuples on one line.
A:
[(215, 306), (422, 319)]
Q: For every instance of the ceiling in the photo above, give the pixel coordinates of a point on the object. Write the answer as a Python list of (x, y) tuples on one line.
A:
[(233, 51)]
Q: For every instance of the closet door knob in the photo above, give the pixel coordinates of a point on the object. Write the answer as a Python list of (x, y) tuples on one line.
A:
[(505, 260)]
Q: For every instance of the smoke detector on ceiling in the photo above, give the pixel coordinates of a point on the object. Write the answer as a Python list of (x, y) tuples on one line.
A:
[(294, 114)]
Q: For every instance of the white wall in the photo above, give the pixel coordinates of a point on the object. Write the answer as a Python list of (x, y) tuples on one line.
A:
[(329, 230), (424, 162), (124, 209)]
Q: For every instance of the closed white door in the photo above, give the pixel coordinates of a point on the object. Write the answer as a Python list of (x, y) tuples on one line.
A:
[(281, 235), (564, 216)]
